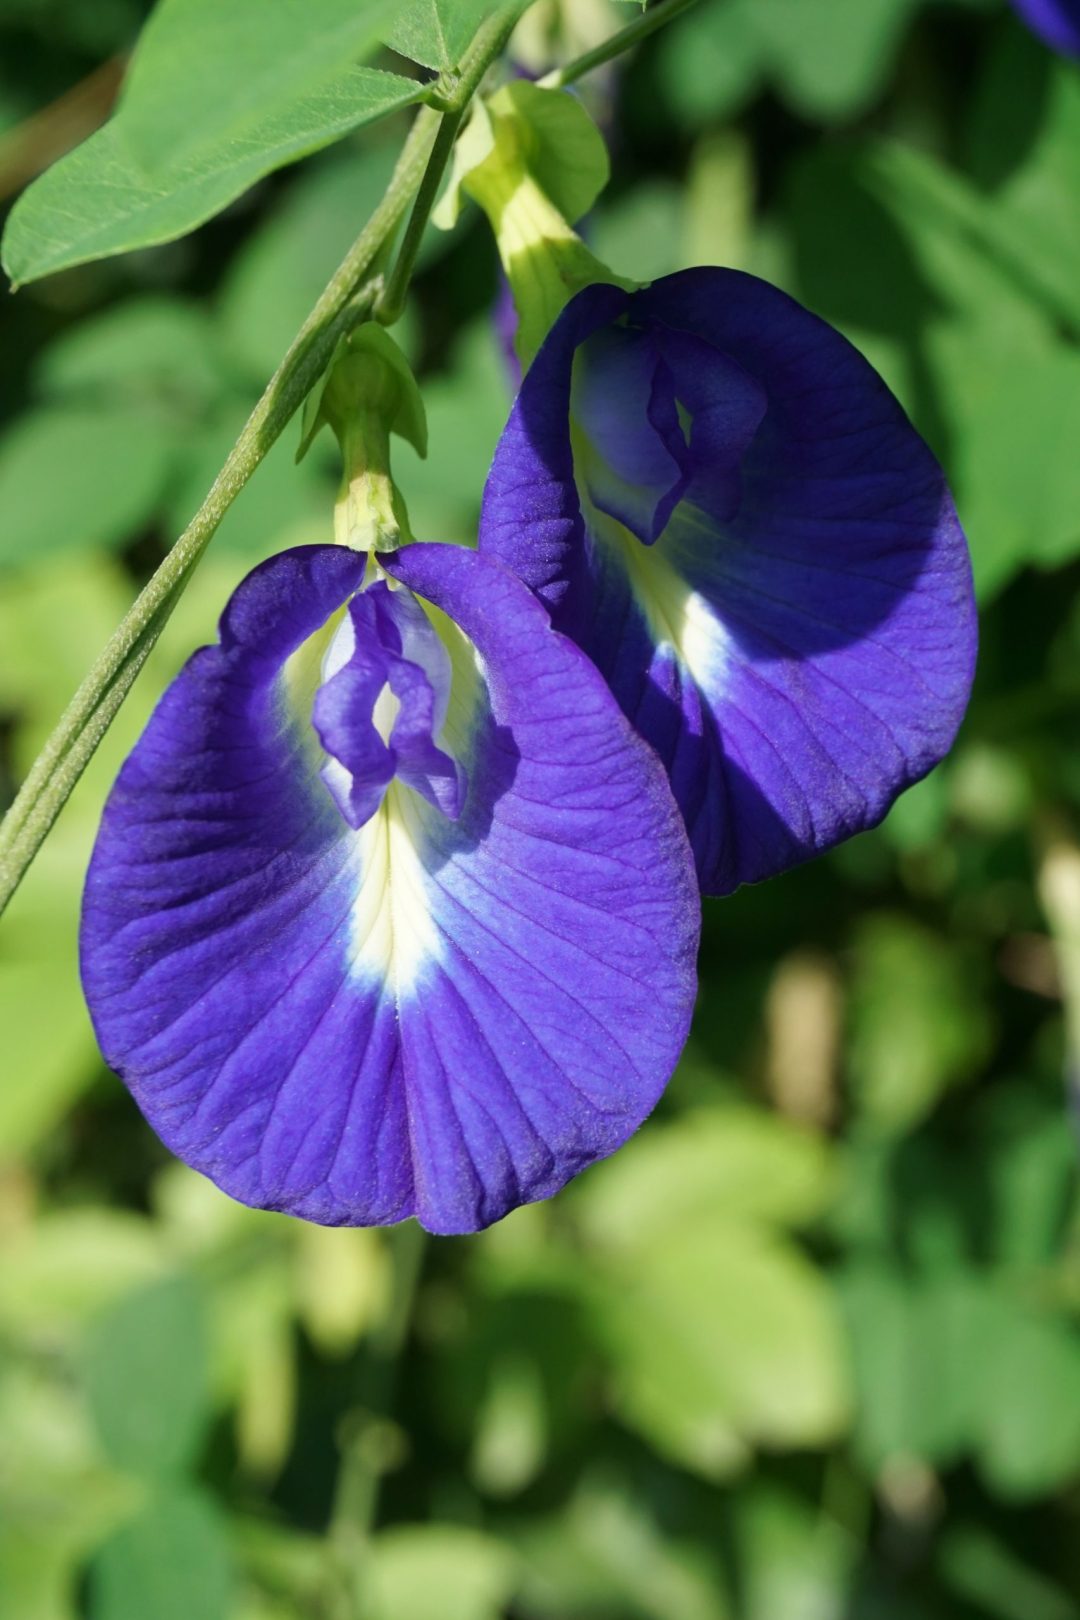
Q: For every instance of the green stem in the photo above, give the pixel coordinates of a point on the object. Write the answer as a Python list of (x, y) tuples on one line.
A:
[(487, 45), (631, 35), (391, 303), (87, 718), (347, 298)]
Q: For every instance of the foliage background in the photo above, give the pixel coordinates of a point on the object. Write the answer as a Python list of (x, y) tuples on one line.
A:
[(809, 1348)]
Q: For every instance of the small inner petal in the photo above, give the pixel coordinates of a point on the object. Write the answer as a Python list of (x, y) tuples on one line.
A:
[(380, 710), (630, 449)]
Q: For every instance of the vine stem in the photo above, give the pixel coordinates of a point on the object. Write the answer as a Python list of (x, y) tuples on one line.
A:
[(348, 297), (487, 45), (391, 301), (641, 27)]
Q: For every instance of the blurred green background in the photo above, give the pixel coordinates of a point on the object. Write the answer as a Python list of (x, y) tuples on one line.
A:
[(809, 1347)]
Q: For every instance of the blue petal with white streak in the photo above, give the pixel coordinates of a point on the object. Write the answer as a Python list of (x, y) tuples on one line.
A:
[(724, 506), (391, 913)]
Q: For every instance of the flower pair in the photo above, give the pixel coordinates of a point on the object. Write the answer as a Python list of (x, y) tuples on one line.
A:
[(395, 905)]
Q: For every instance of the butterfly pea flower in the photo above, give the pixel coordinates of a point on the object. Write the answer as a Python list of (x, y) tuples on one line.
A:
[(1057, 22), (391, 913), (720, 501)]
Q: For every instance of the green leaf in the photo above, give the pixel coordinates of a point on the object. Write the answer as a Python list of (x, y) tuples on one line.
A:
[(641, 233), (50, 1055), (473, 1575), (150, 347), (797, 1562), (170, 1562), (146, 1378), (71, 1264), (916, 1026), (466, 412), (1030, 1159), (722, 1337), (984, 1571), (830, 57), (57, 1501), (735, 1162), (74, 478), (917, 1346), (97, 201), (1029, 1441), (563, 149), (709, 62), (1016, 472), (282, 267), (604, 1554), (283, 504), (1024, 148), (205, 74), (436, 32), (720, 1333)]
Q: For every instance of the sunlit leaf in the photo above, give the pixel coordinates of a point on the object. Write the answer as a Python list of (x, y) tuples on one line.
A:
[(735, 1162), (144, 1370), (170, 1561), (72, 1263), (74, 478), (97, 201), (342, 1284), (472, 1573), (917, 1025), (282, 267), (722, 1338), (436, 32), (147, 348), (206, 74)]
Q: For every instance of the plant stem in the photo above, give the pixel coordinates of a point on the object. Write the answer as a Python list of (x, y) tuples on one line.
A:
[(391, 302), (631, 35), (87, 718), (74, 741), (347, 298), (487, 45)]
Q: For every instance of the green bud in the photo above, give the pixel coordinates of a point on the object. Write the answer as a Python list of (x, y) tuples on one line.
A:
[(367, 393), (535, 162)]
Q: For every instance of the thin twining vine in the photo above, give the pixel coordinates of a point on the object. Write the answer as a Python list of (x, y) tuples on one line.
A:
[(354, 292)]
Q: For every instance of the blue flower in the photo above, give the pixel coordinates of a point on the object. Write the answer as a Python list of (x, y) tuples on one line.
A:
[(720, 501), (391, 913), (1055, 21)]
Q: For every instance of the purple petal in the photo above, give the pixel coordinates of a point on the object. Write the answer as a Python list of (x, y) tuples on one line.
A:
[(1055, 21), (422, 1016), (798, 644), (633, 460), (379, 711)]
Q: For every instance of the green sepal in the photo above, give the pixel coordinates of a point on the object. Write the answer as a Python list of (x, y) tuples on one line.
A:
[(366, 364), (366, 394), (535, 162), (549, 131)]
